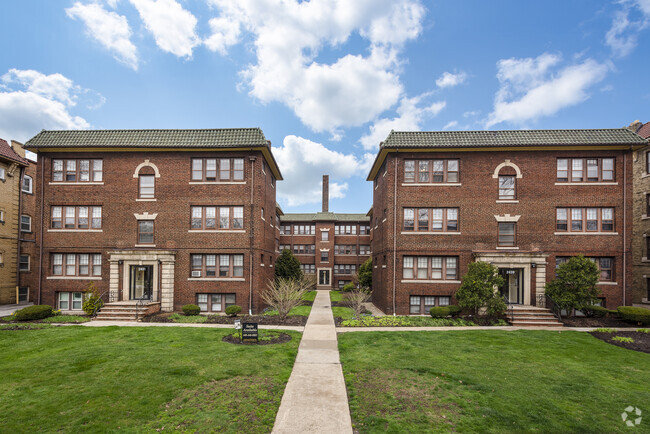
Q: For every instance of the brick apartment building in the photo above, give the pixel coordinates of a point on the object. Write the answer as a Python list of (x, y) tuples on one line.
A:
[(522, 200), (16, 229), (640, 291), (330, 245), (171, 217)]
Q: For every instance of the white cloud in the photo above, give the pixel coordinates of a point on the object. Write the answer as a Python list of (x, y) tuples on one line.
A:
[(450, 125), (449, 79), (31, 101), (622, 36), (109, 29), (289, 36), (410, 117), (303, 163), (471, 113), (172, 27), (530, 89)]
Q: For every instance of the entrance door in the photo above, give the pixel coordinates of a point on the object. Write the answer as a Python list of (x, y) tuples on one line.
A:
[(323, 277), (141, 282), (513, 287)]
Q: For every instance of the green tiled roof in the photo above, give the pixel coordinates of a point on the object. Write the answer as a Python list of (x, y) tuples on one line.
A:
[(456, 139), (324, 216), (209, 138)]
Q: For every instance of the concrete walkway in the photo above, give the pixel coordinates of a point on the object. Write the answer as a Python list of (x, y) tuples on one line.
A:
[(8, 309), (315, 399)]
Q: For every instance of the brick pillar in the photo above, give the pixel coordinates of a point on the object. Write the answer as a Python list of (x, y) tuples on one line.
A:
[(326, 192)]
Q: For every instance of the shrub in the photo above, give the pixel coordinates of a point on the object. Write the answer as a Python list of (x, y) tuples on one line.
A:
[(623, 339), (287, 266), (28, 313), (478, 290), (634, 314), (454, 310), (191, 309), (605, 330), (355, 300), (364, 276), (348, 287), (643, 330), (92, 300), (233, 310), (284, 294), (595, 311), (575, 284), (440, 312)]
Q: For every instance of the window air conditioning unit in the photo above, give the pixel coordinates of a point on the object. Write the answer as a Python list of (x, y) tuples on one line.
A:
[(196, 274)]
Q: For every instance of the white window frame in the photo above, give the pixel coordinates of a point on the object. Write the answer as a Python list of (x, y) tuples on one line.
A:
[(21, 223), (30, 190)]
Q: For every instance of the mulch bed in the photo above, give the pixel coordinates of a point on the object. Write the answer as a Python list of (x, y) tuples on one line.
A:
[(582, 321), (280, 339), (220, 319), (641, 340)]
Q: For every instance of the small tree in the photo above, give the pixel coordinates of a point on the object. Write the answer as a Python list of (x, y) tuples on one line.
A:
[(478, 290), (364, 275), (287, 266), (575, 284), (283, 295), (92, 301), (355, 300)]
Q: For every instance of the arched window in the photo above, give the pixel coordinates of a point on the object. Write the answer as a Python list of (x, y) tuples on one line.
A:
[(507, 174), (146, 173)]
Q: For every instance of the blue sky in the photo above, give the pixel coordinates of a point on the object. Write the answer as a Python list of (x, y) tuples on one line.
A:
[(326, 80)]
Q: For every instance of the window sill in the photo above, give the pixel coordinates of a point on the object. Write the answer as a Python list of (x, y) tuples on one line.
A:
[(261, 265), (144, 245), (430, 233), (431, 184), (75, 230), (304, 254), (218, 231), (217, 279), (607, 283), (429, 281), (507, 248), (645, 217), (585, 233), (507, 201), (645, 175), (586, 183), (217, 182), (73, 278), (76, 183), (146, 200)]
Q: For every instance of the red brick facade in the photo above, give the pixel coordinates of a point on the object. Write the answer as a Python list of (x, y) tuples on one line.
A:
[(537, 241)]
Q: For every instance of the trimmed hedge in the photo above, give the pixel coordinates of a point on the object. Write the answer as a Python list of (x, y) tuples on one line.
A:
[(439, 312), (596, 311), (634, 314), (348, 287), (233, 310), (191, 309), (454, 309), (28, 313)]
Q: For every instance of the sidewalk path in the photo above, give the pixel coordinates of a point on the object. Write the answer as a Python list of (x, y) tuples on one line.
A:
[(315, 399)]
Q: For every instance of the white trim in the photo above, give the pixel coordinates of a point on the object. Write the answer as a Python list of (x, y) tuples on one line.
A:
[(506, 248), (73, 278), (217, 231), (146, 163), (507, 201), (507, 218), (586, 183), (146, 200), (324, 250), (324, 229), (432, 184), (144, 245), (146, 216), (76, 183), (429, 281), (75, 230), (585, 233), (507, 163), (217, 182), (607, 283), (430, 233)]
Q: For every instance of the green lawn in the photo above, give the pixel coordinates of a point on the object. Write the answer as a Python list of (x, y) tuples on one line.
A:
[(343, 312), (336, 296), (296, 311), (81, 379), (492, 381), (309, 296)]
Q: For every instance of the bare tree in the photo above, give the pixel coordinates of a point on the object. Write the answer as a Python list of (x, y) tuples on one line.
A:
[(283, 295), (355, 300), (308, 282)]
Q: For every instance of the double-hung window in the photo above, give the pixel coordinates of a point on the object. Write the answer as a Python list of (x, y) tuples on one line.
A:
[(431, 219), (70, 300), (217, 217), (430, 267), (147, 186), (506, 187), (215, 302), (145, 232), (76, 264), (584, 219), (585, 170), (217, 169), (507, 234), (77, 170), (431, 171), (25, 223), (76, 217), (27, 184)]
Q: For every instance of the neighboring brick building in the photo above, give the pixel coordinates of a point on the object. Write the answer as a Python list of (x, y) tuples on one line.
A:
[(522, 200), (330, 245), (640, 290), (172, 217), (16, 185)]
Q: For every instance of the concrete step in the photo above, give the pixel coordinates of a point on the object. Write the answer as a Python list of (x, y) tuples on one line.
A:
[(531, 323), (114, 318)]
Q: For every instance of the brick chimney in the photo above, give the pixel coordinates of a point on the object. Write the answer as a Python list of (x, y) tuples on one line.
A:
[(326, 192)]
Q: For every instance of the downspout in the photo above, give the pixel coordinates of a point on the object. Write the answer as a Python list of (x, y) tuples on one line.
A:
[(18, 241), (41, 165), (252, 226), (624, 225), (394, 235)]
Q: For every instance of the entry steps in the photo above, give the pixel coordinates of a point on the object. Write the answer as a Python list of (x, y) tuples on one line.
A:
[(531, 316), (126, 311)]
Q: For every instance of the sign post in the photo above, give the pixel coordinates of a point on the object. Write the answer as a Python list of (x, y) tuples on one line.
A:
[(249, 332), (238, 327)]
